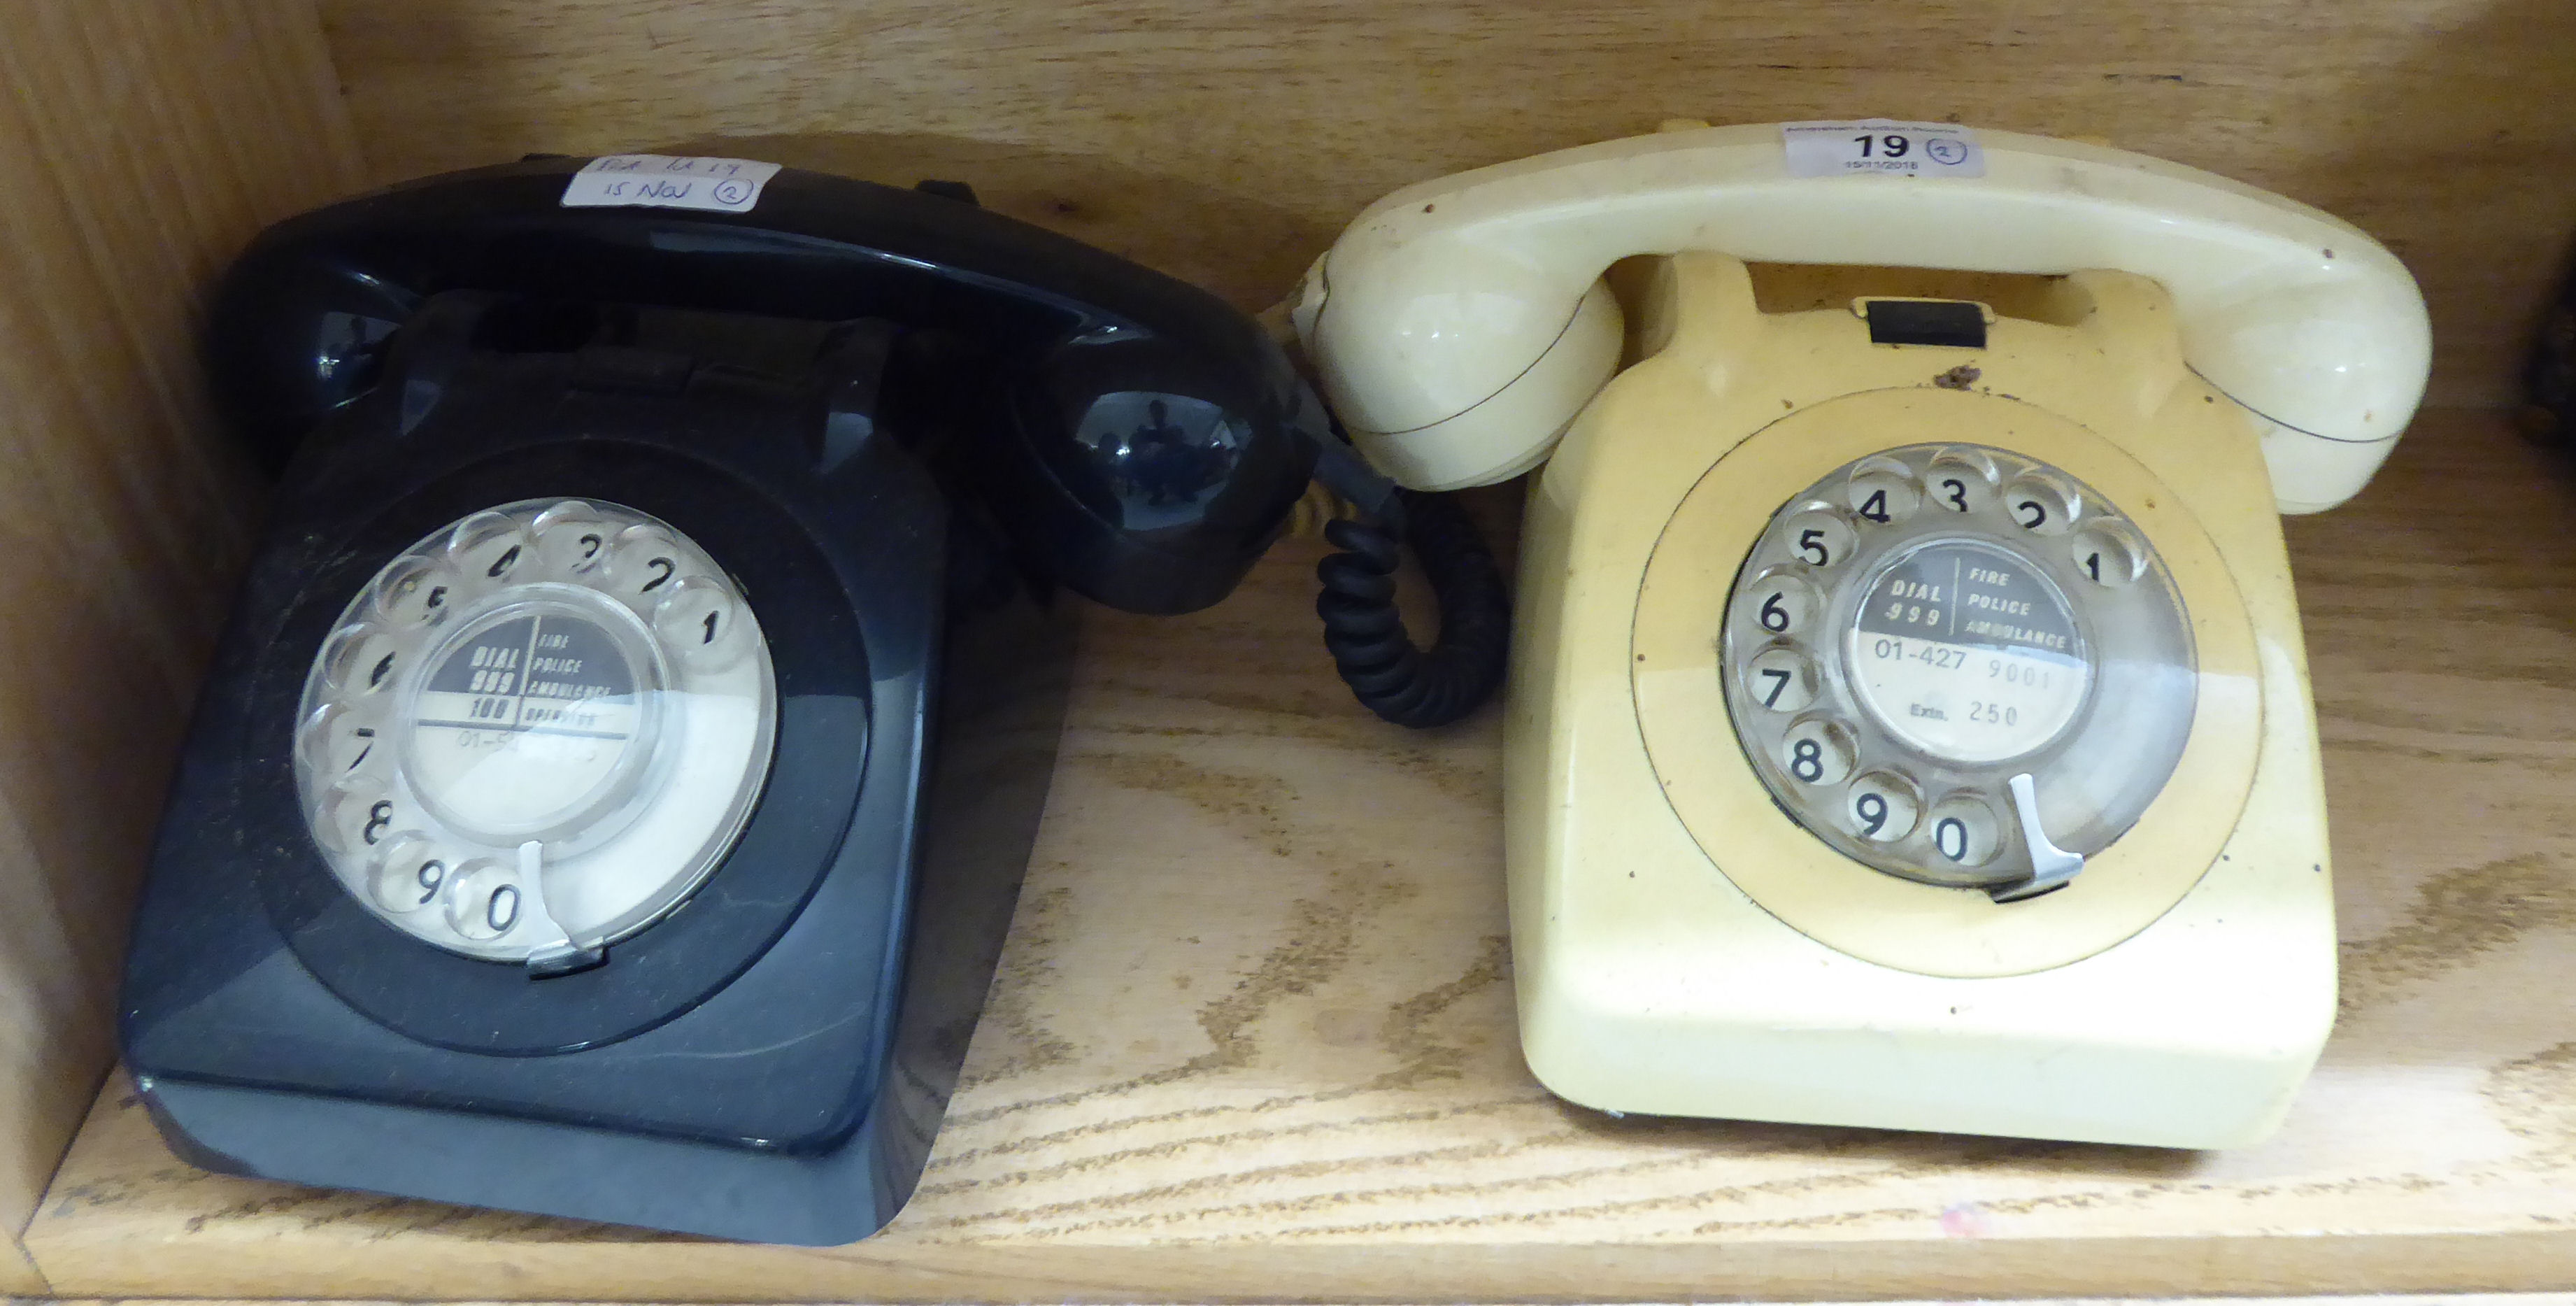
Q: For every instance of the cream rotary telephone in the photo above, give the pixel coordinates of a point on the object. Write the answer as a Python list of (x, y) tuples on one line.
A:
[(1909, 721)]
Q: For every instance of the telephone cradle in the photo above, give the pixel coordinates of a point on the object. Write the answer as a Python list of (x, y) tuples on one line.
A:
[(1908, 719)]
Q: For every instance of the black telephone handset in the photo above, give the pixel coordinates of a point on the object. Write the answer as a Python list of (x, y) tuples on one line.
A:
[(1152, 442), (613, 785)]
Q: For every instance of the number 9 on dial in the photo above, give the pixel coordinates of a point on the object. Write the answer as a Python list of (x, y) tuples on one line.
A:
[(1883, 807)]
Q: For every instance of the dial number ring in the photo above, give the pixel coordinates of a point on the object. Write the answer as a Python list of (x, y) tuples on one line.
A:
[(518, 691), (1952, 634)]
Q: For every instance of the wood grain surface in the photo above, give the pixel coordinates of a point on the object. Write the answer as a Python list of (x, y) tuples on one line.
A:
[(143, 143), (1253, 1035), (2390, 1299), (2443, 1299), (2445, 127)]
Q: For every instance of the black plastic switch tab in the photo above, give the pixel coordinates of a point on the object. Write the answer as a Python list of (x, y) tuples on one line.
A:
[(1954, 323)]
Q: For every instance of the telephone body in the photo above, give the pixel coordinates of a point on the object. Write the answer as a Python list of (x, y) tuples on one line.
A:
[(1909, 721), (613, 785)]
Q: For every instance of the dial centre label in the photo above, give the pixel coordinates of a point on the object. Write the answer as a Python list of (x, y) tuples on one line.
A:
[(1964, 650), (525, 721)]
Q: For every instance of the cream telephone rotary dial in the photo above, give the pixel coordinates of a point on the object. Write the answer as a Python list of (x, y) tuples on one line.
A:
[(1908, 722)]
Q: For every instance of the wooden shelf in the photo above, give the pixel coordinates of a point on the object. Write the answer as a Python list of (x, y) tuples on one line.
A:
[(1253, 1036)]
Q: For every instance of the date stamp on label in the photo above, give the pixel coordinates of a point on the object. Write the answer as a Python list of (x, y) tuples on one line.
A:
[(666, 181), (1882, 146)]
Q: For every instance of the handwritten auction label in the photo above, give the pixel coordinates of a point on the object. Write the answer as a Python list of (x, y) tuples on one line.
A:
[(668, 181), (1882, 146)]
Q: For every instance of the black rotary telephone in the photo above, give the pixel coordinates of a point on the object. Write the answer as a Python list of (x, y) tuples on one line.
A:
[(612, 788)]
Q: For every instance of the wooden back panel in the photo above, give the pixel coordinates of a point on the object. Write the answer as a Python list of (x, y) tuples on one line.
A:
[(2441, 126)]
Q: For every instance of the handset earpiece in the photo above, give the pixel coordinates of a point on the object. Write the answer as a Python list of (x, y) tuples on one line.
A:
[(1148, 473), (301, 332), (1449, 419)]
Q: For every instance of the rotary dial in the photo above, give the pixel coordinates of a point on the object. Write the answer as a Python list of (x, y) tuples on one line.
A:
[(536, 731)]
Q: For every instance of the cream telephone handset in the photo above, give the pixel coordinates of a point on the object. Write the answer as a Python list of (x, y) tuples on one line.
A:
[(1909, 721)]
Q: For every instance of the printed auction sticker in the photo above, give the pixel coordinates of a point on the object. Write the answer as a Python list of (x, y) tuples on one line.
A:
[(1879, 145), (668, 181)]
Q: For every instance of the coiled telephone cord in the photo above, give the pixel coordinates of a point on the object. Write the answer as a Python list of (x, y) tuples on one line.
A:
[(1386, 670), (1367, 518)]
